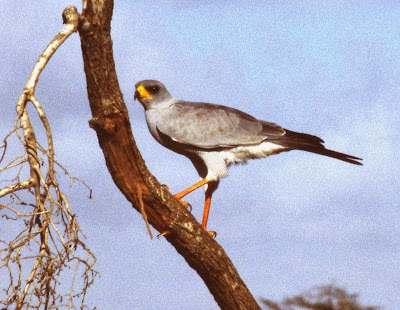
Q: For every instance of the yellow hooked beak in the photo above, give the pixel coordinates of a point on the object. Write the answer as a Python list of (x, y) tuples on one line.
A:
[(143, 93)]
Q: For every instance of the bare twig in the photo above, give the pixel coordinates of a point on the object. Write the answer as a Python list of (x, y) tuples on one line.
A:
[(143, 211)]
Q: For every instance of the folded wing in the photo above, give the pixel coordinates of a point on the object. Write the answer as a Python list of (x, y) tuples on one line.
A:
[(211, 126)]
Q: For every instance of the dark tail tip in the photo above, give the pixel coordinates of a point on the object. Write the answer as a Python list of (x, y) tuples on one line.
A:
[(341, 156)]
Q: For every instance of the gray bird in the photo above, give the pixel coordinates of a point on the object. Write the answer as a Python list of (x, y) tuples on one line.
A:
[(214, 137)]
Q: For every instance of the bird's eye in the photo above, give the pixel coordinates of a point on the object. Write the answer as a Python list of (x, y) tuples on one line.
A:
[(154, 89)]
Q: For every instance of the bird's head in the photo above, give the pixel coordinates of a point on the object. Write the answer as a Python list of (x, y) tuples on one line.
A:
[(151, 93)]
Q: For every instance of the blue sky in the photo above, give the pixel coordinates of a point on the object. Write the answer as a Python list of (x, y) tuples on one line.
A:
[(288, 222)]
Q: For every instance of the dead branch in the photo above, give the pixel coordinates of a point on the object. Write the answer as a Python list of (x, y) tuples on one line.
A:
[(49, 239), (143, 211)]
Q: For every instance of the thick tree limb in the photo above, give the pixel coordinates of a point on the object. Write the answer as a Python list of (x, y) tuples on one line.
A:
[(127, 168)]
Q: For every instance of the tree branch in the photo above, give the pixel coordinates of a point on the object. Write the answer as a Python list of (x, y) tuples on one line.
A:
[(15, 187), (127, 168)]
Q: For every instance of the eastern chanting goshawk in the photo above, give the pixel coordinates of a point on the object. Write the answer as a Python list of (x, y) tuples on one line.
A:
[(214, 137)]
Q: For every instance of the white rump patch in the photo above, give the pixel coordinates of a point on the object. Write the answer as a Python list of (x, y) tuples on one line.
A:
[(241, 154)]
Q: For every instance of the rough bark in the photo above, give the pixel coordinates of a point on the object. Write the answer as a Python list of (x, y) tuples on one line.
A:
[(128, 170)]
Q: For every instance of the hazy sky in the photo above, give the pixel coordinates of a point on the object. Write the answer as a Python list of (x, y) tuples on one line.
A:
[(288, 222)]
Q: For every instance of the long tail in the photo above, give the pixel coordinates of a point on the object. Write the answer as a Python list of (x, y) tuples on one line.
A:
[(313, 144)]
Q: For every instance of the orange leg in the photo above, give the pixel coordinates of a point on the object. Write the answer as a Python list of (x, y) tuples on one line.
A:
[(207, 202), (206, 211), (191, 188)]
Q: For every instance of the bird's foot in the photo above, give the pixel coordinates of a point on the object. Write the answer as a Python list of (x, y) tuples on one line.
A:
[(183, 203), (186, 205), (212, 233)]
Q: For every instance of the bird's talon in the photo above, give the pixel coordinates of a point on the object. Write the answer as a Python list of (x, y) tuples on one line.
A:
[(185, 204), (164, 233), (212, 233)]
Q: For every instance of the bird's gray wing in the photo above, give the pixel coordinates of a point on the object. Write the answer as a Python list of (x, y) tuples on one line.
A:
[(210, 126)]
